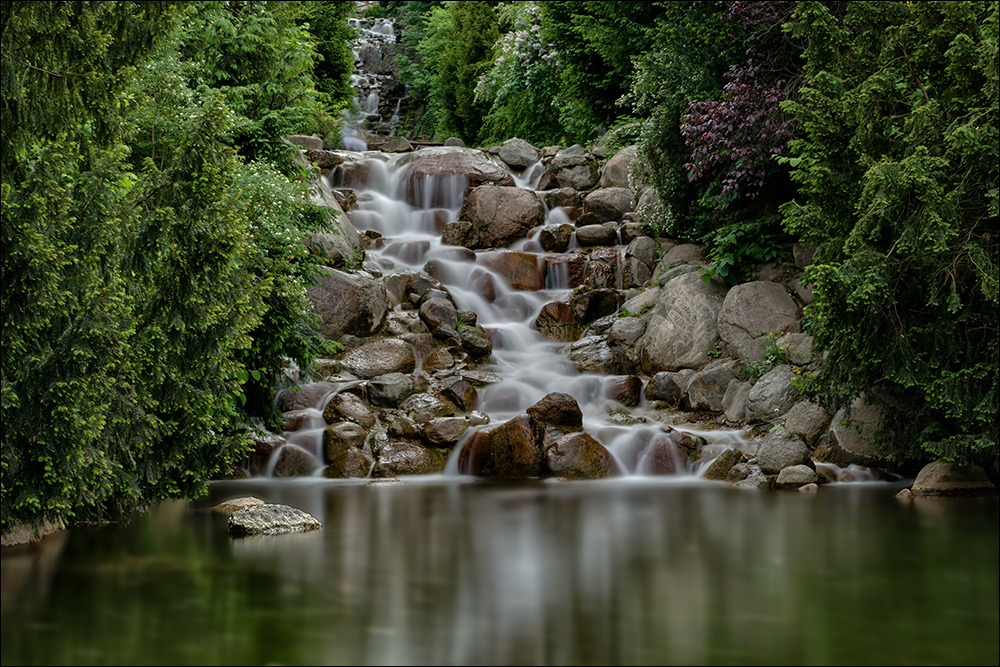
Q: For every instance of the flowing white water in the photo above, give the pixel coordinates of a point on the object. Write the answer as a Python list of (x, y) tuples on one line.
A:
[(529, 364)]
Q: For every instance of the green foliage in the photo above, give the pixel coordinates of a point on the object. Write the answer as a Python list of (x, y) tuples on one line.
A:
[(774, 355), (595, 43), (471, 35), (328, 25), (522, 86), (425, 39), (693, 47), (898, 179), (737, 249), (154, 278)]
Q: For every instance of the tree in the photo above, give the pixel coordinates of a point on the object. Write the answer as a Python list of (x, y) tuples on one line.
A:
[(471, 37), (897, 168)]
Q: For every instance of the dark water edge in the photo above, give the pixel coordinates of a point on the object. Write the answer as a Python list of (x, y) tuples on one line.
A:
[(445, 572)]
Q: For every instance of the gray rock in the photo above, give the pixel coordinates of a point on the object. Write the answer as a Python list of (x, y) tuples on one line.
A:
[(682, 329), (348, 304), (781, 449), (391, 389), (379, 357), (518, 153), (772, 396), (615, 173), (807, 420), (270, 519), (720, 467), (609, 204), (707, 388), (795, 476), (751, 310)]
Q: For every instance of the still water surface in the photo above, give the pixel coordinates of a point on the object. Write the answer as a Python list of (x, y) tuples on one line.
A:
[(445, 572)]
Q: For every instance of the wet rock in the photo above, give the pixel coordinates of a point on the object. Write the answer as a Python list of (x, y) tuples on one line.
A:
[(781, 449), (300, 397), (521, 270), (379, 357), (580, 456), (501, 215), (339, 437), (356, 463), (597, 235), (556, 238), (562, 198), (663, 457), (518, 154), (559, 410), (753, 309), (436, 177), (626, 389), (476, 342), (444, 431), (507, 451), (437, 312), (795, 476), (348, 407), (391, 389), (719, 468), (590, 304), (939, 478), (293, 461), (663, 387), (460, 392), (556, 321), (348, 304), (739, 472), (270, 519), (592, 354), (406, 458)]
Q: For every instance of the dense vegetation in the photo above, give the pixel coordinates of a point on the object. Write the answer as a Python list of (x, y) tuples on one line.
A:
[(153, 270)]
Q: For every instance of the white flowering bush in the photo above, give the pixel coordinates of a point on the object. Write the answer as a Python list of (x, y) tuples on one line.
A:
[(522, 84)]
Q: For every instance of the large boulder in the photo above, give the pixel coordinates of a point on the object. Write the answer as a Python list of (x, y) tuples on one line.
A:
[(500, 215), (436, 177), (407, 458), (682, 327), (939, 478), (752, 310), (348, 304), (518, 154), (781, 449), (379, 357), (772, 395), (580, 456), (615, 173), (609, 204), (571, 167)]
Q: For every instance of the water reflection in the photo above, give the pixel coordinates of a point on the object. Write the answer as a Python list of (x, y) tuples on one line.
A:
[(653, 571)]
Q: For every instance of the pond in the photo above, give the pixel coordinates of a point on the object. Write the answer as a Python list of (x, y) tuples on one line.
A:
[(451, 571)]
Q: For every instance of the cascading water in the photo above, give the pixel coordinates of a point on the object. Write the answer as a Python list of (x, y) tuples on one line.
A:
[(529, 365)]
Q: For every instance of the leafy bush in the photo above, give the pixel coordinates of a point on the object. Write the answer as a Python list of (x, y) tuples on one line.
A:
[(898, 172)]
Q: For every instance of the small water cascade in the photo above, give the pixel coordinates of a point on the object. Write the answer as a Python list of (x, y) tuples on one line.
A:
[(379, 98)]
